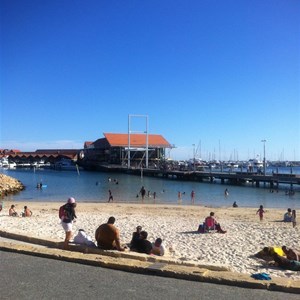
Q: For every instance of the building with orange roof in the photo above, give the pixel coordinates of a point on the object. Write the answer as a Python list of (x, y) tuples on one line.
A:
[(115, 149), (123, 149)]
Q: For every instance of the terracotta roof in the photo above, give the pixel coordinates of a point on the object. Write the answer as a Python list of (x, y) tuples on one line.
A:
[(136, 140)]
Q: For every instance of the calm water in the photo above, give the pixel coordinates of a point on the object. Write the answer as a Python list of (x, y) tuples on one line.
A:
[(94, 186)]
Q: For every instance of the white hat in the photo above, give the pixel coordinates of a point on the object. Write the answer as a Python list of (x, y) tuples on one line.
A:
[(71, 200)]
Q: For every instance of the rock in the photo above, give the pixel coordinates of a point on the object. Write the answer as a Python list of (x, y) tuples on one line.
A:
[(9, 185)]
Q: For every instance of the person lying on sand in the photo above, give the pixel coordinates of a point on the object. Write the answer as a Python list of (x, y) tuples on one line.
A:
[(267, 253), (285, 263)]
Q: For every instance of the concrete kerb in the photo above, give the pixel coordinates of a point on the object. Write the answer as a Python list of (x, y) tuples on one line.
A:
[(88, 250), (141, 264)]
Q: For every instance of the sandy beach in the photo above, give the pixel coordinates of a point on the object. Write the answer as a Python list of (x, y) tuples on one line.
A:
[(177, 226)]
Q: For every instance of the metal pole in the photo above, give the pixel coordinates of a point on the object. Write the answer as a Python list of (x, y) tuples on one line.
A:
[(264, 141), (128, 164), (194, 155), (147, 144)]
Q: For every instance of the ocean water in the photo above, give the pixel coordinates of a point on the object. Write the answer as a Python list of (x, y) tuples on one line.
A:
[(94, 187)]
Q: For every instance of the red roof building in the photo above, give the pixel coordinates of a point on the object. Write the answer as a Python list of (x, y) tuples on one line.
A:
[(114, 149)]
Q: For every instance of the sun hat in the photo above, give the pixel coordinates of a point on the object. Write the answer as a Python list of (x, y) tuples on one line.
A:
[(71, 200)]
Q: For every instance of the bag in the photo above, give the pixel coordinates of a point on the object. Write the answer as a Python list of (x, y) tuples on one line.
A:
[(65, 213), (61, 212), (201, 228)]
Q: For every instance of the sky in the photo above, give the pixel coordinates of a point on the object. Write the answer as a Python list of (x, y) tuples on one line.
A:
[(214, 77)]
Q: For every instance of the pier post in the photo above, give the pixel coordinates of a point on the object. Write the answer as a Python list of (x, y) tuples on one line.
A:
[(257, 183)]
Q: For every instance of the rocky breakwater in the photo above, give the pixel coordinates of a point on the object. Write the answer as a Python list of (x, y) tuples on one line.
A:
[(9, 185)]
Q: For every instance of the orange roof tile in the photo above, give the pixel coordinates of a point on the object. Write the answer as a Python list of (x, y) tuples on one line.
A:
[(136, 140)]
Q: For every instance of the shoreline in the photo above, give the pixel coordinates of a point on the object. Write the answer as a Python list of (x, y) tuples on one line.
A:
[(177, 225)]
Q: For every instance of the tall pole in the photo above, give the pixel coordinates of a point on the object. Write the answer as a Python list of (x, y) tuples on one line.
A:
[(194, 155), (264, 141)]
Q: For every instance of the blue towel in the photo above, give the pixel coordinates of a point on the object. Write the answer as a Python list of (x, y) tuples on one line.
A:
[(261, 276)]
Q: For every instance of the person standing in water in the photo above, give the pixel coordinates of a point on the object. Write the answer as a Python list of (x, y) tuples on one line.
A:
[(193, 196), (226, 193)]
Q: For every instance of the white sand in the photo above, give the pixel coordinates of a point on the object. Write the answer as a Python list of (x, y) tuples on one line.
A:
[(177, 226)]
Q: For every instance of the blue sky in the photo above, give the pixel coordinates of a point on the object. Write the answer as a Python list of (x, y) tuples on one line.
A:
[(220, 75)]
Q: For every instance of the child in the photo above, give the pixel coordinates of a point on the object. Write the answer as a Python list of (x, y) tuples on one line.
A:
[(294, 217), (83, 239), (158, 248), (27, 212), (260, 212), (12, 211)]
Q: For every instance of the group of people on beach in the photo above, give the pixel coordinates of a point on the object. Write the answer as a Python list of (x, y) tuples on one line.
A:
[(289, 216), (12, 212), (107, 235), (283, 257)]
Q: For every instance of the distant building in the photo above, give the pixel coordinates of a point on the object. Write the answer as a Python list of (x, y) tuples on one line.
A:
[(45, 155), (6, 152), (115, 148)]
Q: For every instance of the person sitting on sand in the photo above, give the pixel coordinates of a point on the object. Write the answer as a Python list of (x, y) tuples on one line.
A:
[(83, 239), (211, 223), (143, 245), (12, 211), (108, 236), (27, 212), (234, 204), (158, 248), (291, 254), (287, 217), (135, 236)]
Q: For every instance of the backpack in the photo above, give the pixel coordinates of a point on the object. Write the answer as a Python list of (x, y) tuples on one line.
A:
[(65, 213), (61, 211)]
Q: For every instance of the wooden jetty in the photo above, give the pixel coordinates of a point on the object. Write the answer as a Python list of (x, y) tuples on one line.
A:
[(236, 178)]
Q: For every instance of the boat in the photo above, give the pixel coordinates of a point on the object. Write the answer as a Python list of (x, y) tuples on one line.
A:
[(66, 164), (5, 163), (255, 163)]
